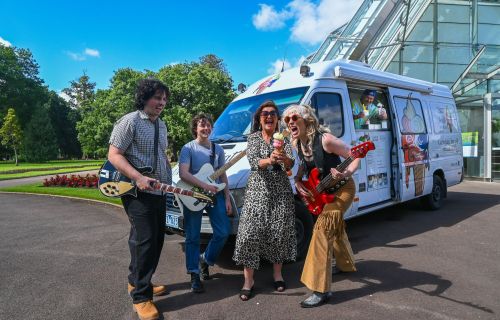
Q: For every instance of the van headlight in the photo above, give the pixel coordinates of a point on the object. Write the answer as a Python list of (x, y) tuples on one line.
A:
[(238, 196)]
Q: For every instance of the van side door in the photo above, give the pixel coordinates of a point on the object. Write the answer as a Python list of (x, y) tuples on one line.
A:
[(412, 135)]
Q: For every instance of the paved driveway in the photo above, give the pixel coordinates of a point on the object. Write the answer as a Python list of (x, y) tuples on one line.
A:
[(67, 259)]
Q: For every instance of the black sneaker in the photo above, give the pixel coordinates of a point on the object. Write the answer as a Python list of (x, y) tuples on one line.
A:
[(196, 284), (205, 274)]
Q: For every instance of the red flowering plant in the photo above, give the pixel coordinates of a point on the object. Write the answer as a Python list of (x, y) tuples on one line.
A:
[(74, 181)]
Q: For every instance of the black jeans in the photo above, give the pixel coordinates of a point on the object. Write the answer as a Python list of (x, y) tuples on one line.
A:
[(146, 214)]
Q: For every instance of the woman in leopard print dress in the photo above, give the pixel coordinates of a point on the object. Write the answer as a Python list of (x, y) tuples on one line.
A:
[(266, 229)]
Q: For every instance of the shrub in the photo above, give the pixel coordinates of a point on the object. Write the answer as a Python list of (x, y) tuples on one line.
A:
[(74, 181)]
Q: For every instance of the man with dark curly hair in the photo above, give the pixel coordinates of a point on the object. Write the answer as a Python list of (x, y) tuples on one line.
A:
[(139, 139)]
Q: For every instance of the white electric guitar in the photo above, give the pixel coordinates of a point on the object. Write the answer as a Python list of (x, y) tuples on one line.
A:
[(207, 175)]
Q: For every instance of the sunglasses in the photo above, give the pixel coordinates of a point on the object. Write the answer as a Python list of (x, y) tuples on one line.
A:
[(293, 117), (265, 114)]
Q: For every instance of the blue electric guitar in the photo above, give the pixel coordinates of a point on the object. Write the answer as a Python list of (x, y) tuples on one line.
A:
[(114, 184)]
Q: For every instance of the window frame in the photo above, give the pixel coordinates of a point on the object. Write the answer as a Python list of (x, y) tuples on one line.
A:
[(316, 109), (422, 114)]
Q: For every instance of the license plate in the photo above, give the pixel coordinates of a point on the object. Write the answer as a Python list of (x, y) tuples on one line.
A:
[(172, 221)]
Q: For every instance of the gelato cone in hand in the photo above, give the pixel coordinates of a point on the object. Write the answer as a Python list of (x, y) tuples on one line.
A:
[(278, 141)]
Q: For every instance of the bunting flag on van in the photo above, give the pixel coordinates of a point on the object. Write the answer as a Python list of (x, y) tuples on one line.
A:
[(267, 83)]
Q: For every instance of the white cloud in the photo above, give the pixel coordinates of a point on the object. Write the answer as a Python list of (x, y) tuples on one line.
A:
[(64, 96), (269, 19), (311, 22), (92, 52), (76, 56), (81, 56), (277, 65), (5, 42)]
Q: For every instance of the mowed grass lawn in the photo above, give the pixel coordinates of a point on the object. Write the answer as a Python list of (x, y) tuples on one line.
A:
[(8, 170), (84, 193)]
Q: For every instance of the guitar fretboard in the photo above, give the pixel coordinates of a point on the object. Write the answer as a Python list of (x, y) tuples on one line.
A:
[(172, 189), (327, 181), (226, 166)]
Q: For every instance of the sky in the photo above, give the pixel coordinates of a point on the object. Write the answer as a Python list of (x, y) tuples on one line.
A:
[(253, 38)]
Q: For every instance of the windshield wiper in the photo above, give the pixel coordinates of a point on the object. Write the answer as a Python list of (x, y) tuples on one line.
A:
[(219, 139)]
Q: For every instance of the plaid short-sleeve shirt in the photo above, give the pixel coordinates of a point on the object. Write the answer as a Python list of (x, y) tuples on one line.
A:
[(134, 133)]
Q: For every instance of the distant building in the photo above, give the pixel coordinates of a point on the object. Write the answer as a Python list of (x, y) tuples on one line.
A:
[(452, 42)]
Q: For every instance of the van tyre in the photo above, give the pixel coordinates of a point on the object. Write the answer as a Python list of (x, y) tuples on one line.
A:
[(303, 228), (434, 200)]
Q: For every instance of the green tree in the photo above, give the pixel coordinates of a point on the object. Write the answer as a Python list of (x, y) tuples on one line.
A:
[(20, 86), (40, 143), (81, 92), (194, 87), (11, 133), (63, 119), (108, 106)]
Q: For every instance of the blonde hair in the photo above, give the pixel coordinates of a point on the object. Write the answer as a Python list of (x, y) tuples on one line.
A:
[(307, 113)]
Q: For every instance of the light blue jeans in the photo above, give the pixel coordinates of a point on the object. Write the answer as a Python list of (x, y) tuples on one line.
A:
[(192, 225)]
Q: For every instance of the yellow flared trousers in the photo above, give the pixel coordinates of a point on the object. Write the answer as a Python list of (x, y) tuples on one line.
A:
[(329, 237)]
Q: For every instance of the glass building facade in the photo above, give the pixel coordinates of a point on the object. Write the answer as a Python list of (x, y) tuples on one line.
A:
[(451, 42)]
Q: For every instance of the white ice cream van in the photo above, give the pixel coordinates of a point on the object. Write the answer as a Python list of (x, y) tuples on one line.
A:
[(418, 144)]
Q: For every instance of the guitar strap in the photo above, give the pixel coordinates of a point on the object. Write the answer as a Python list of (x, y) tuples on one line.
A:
[(212, 156), (157, 134)]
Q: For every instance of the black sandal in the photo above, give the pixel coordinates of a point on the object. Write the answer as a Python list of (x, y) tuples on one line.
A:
[(279, 284), (246, 293)]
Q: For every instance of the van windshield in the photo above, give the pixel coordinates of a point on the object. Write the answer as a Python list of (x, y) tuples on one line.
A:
[(234, 124)]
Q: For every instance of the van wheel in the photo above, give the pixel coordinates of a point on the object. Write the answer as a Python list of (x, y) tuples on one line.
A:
[(434, 200), (303, 228)]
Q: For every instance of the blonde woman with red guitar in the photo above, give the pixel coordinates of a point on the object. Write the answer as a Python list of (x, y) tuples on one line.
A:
[(318, 148)]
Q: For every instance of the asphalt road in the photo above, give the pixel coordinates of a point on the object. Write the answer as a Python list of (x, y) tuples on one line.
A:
[(68, 259)]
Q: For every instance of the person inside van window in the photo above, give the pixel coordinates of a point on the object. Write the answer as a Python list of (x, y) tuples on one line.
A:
[(365, 111), (318, 148)]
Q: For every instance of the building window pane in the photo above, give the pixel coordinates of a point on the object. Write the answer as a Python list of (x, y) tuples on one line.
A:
[(414, 53), (489, 14), (453, 13), (453, 32), (428, 14), (489, 33), (460, 55), (421, 32), (449, 72), (422, 71), (393, 67)]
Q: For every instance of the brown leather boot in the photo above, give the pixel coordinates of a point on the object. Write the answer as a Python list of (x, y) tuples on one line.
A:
[(146, 310), (158, 290)]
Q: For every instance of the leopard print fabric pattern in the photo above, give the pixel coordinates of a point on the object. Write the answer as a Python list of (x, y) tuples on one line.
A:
[(267, 223)]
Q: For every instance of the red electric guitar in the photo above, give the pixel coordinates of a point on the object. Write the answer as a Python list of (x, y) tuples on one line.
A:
[(323, 191)]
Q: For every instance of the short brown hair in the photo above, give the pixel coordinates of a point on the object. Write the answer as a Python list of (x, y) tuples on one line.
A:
[(196, 119)]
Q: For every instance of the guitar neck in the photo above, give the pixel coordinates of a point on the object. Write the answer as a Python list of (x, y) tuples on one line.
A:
[(329, 178), (171, 189), (228, 165)]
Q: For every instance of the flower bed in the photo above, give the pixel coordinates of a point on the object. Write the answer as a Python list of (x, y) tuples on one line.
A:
[(73, 181)]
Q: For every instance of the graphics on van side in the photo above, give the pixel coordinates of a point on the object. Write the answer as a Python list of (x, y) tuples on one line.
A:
[(415, 141), (416, 158), (377, 162), (267, 83), (444, 119)]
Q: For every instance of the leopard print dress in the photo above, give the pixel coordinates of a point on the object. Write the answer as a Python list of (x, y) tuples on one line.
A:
[(267, 222)]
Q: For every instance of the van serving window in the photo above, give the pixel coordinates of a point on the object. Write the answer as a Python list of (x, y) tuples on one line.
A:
[(410, 115), (328, 106), (369, 109)]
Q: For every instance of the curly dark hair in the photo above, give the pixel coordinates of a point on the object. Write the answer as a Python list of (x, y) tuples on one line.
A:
[(256, 116), (147, 88), (196, 119)]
